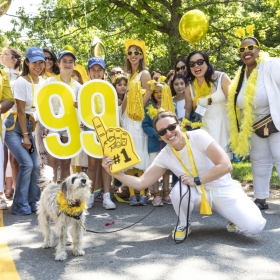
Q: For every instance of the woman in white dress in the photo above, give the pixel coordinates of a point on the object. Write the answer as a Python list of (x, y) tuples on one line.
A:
[(132, 110), (208, 90)]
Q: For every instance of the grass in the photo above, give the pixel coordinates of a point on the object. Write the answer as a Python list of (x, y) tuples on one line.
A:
[(242, 171)]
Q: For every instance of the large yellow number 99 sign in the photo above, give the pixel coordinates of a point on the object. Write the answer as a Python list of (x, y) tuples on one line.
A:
[(67, 120), (95, 98)]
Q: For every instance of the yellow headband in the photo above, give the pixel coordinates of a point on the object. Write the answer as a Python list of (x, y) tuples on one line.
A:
[(138, 43)]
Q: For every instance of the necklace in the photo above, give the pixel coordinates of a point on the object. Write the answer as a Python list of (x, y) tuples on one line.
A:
[(152, 111), (239, 140)]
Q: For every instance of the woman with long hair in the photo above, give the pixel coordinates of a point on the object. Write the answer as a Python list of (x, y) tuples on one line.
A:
[(208, 90), (52, 68), (19, 139), (132, 110)]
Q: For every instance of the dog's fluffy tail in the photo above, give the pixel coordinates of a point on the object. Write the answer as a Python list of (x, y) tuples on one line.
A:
[(46, 177)]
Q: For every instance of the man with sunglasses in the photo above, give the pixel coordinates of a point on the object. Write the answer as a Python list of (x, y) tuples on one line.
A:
[(198, 160)]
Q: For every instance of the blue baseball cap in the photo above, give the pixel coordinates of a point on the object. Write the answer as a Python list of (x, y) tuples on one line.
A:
[(96, 61), (63, 53), (34, 54)]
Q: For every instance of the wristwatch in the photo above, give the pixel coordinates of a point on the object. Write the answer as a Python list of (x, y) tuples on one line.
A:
[(197, 181)]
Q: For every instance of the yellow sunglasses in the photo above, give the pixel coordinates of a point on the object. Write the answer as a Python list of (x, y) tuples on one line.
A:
[(250, 48)]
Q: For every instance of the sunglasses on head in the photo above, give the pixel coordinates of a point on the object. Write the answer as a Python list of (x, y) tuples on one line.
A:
[(183, 68), (250, 48), (48, 58), (199, 62), (135, 53), (171, 127)]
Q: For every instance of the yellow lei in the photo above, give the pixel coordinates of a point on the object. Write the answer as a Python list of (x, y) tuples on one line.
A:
[(185, 122), (69, 210), (152, 111), (239, 141)]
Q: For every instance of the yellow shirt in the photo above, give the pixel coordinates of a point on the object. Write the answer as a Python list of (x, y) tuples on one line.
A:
[(5, 92)]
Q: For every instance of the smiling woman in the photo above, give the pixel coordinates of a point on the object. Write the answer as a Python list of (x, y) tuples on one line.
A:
[(208, 90), (196, 152), (19, 139), (254, 95)]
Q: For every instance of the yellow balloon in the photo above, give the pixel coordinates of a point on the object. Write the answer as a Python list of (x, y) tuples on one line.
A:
[(4, 6), (193, 26)]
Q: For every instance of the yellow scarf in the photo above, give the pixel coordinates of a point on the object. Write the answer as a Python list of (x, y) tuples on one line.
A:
[(204, 206), (201, 91)]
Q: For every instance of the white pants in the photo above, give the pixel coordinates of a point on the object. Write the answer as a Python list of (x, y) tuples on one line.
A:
[(2, 183), (264, 152), (230, 202)]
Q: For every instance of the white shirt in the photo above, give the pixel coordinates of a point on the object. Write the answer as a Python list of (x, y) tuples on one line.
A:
[(199, 141), (23, 91)]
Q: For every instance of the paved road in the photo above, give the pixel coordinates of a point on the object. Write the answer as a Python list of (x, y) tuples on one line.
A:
[(146, 250)]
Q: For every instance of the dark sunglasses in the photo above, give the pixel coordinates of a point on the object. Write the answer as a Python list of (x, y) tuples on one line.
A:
[(183, 68), (116, 73), (199, 62), (48, 58), (250, 48), (135, 53), (171, 127)]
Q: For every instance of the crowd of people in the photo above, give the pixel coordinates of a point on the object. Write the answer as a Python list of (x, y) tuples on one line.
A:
[(153, 109)]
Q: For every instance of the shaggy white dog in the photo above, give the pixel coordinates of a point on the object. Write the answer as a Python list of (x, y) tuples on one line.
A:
[(65, 205)]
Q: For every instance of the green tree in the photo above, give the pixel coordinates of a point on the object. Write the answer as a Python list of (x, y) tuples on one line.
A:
[(74, 22)]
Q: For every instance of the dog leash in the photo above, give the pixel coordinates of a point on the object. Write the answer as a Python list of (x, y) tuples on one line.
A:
[(93, 231), (188, 212)]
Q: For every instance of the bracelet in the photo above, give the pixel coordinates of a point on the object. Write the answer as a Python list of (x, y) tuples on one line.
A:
[(25, 133)]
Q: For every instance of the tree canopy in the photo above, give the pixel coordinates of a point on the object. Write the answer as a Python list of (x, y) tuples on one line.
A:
[(75, 22)]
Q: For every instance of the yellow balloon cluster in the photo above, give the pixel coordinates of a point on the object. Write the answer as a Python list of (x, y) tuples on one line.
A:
[(193, 26)]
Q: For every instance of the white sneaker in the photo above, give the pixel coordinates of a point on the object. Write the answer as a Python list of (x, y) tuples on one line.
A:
[(107, 202), (90, 201), (3, 204), (231, 227)]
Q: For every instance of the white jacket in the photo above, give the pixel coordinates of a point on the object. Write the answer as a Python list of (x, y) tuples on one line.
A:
[(272, 86)]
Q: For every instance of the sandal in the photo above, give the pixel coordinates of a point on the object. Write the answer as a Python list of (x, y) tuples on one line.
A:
[(260, 204), (9, 193)]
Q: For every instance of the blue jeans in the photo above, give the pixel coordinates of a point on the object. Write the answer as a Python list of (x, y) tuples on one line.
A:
[(27, 191)]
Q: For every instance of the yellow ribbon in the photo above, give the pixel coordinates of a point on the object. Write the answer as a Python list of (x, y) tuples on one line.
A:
[(204, 206)]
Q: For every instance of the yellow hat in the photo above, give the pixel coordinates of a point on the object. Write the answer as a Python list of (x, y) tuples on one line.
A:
[(138, 43)]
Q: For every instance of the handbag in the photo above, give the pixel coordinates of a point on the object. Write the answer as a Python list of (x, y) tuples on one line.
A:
[(265, 127)]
